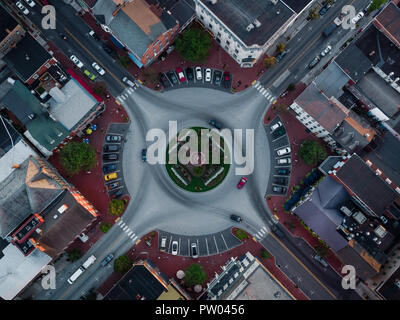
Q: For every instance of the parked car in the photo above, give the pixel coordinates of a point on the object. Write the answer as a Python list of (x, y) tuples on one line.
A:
[(181, 75), (30, 3), (314, 62), (217, 77), (117, 194), (241, 183), (227, 79), (236, 218), (113, 185), (284, 161), (175, 247), (215, 124), (283, 171), (77, 62), (94, 35), (280, 180), (107, 260), (99, 69), (280, 190), (128, 82), (111, 176), (164, 80), (195, 254), (22, 7), (83, 237), (321, 261), (107, 49), (208, 75), (189, 73), (163, 244), (276, 126), (281, 55), (62, 36), (90, 75), (199, 73), (109, 168), (111, 147), (357, 17), (171, 75), (278, 133), (110, 156), (113, 138), (144, 155), (324, 9), (283, 151), (326, 51)]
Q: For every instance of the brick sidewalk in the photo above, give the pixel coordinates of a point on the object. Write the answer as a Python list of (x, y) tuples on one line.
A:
[(169, 264), (297, 134)]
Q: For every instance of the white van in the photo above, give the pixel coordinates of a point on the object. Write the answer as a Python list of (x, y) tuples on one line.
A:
[(76, 275), (89, 262)]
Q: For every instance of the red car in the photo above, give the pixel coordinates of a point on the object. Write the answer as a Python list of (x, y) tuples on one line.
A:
[(241, 183), (181, 75)]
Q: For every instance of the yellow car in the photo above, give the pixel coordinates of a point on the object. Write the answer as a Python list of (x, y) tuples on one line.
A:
[(110, 176)]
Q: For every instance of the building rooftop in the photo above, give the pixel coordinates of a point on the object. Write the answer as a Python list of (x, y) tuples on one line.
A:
[(7, 22), (388, 21), (390, 289), (237, 15), (71, 104), (296, 5), (26, 58), (181, 10), (332, 80)]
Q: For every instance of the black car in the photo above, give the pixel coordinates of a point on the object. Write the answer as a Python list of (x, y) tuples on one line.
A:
[(280, 190), (283, 171), (144, 155), (217, 77), (109, 168), (94, 35), (313, 63), (324, 9), (109, 50), (278, 231), (215, 124), (236, 218), (189, 73), (172, 76), (279, 180), (113, 138), (117, 194), (164, 80), (110, 156), (110, 147), (278, 133)]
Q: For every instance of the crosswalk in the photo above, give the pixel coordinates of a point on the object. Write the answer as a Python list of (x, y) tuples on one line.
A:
[(127, 230), (123, 96), (261, 233), (268, 95)]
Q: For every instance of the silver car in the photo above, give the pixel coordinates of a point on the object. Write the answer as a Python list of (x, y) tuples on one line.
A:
[(175, 247)]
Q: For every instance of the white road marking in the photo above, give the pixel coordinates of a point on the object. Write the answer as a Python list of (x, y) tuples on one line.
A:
[(266, 230), (208, 251), (132, 235), (126, 227), (122, 225), (119, 222), (215, 241), (130, 232), (134, 239), (222, 236)]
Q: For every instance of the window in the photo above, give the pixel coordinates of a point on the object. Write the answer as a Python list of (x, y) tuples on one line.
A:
[(210, 25), (219, 34), (201, 17), (228, 43), (35, 76), (235, 56), (47, 65), (236, 50)]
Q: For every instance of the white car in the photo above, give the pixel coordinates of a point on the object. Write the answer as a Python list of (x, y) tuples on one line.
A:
[(276, 126), (174, 248), (283, 151), (284, 161), (326, 51), (357, 17), (208, 75), (77, 62), (99, 69), (199, 74), (128, 82), (22, 8), (30, 3)]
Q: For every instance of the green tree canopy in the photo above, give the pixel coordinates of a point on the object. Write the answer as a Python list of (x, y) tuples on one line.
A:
[(116, 207), (122, 264), (105, 226), (376, 4), (74, 254), (77, 156), (195, 274), (311, 152), (291, 86), (193, 45), (269, 62)]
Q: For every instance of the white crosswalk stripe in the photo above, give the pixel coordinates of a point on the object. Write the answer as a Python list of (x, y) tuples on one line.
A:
[(268, 95), (262, 232), (122, 97), (130, 232), (127, 230), (125, 95), (263, 90), (265, 229), (257, 85), (258, 237), (132, 235), (120, 100), (134, 239), (126, 227), (123, 223), (130, 91)]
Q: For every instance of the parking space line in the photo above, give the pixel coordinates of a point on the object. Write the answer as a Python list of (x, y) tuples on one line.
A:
[(189, 247), (208, 251), (179, 251), (215, 241), (222, 236), (169, 246), (198, 246)]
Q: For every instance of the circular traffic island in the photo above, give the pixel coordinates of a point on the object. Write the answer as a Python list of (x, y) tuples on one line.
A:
[(198, 159)]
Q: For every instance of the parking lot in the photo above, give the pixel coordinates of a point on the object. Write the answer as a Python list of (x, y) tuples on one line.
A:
[(207, 245), (280, 172), (116, 186), (189, 77)]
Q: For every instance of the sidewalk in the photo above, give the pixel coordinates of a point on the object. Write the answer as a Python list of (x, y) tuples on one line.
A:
[(297, 134), (169, 264)]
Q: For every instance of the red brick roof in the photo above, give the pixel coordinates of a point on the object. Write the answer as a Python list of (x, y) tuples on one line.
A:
[(388, 21)]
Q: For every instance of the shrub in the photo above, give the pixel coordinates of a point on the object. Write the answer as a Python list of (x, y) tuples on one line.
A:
[(74, 254), (105, 227), (77, 156), (241, 234), (194, 274), (122, 264), (116, 207), (265, 254)]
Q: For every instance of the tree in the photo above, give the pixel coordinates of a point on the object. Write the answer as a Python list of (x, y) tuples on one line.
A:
[(100, 88), (122, 264), (311, 152), (116, 207), (105, 227), (194, 45), (74, 254), (291, 86), (279, 108), (151, 75), (269, 62), (194, 274), (125, 61), (78, 156), (321, 250), (280, 47), (265, 254), (376, 4)]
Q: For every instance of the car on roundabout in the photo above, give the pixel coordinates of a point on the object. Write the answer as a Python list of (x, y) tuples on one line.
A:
[(236, 218), (110, 176), (241, 183), (181, 75), (215, 124)]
